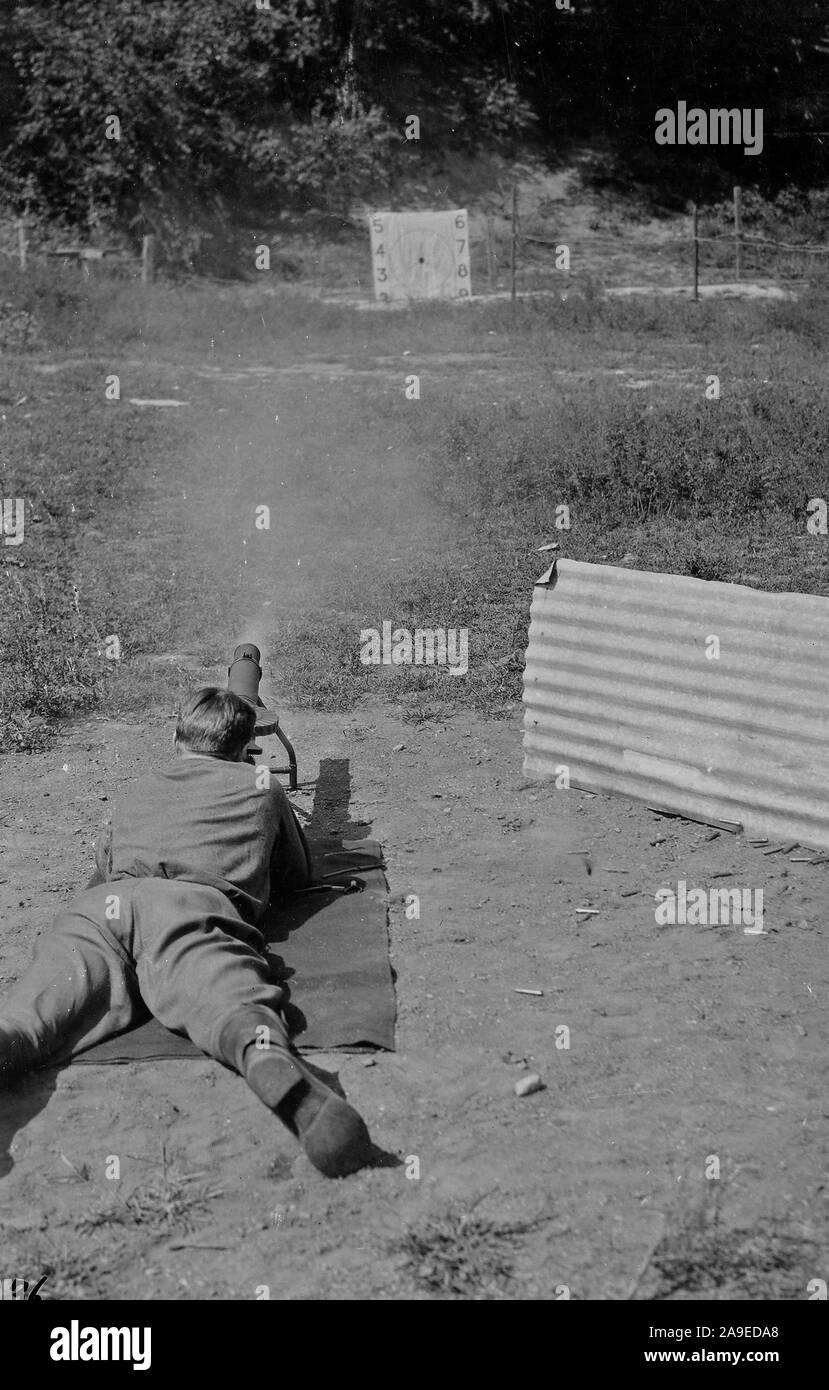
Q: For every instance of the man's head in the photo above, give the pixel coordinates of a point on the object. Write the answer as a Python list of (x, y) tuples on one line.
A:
[(215, 723)]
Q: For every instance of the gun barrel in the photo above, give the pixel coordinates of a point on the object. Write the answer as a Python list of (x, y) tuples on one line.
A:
[(243, 677), (245, 673)]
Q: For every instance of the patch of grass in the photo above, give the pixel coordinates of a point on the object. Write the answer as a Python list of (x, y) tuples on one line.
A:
[(53, 659), (84, 571), (57, 308), (162, 1205), (458, 1254), (751, 457), (73, 1270), (765, 1261), (319, 659), (714, 490), (76, 1273)]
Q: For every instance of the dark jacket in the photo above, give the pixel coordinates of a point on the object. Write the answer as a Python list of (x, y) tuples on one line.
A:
[(205, 819)]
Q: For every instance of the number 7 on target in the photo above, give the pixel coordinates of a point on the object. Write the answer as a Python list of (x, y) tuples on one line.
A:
[(462, 280)]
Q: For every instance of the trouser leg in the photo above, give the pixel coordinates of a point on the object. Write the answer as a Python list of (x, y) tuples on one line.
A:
[(201, 974), (201, 979), (78, 990)]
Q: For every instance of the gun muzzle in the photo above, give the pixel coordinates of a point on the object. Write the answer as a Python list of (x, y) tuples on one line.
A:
[(245, 673), (243, 676)]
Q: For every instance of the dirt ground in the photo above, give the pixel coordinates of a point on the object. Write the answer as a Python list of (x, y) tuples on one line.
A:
[(686, 1043)]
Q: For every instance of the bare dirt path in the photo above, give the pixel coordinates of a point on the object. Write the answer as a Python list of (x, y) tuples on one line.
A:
[(685, 1043)]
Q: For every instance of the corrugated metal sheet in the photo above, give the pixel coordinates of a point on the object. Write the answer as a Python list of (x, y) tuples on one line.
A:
[(618, 688)]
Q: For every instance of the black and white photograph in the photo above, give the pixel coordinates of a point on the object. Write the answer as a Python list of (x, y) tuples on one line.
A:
[(414, 668)]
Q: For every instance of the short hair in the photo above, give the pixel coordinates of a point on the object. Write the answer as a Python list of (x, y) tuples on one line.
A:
[(217, 722)]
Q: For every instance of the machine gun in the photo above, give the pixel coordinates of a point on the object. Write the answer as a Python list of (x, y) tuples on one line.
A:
[(243, 677)]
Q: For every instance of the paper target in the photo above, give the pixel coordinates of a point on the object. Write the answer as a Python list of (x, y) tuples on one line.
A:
[(420, 255)]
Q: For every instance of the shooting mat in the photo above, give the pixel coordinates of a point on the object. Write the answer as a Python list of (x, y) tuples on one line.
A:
[(329, 952)]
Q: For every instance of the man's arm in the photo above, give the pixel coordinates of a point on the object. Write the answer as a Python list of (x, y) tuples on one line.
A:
[(290, 865)]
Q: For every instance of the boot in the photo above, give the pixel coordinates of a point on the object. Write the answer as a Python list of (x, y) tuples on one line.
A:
[(330, 1131)]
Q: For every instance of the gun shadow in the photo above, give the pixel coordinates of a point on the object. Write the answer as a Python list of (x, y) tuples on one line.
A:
[(330, 813)]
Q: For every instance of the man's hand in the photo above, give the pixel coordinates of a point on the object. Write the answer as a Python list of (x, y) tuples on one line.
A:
[(103, 852)]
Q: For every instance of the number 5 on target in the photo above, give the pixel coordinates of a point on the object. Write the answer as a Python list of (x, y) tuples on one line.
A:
[(379, 256)]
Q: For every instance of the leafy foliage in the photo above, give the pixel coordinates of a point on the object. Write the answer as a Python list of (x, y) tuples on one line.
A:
[(190, 84), (223, 104)]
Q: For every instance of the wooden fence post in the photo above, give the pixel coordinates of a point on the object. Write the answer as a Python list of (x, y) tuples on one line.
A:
[(22, 245), (514, 236), (696, 253), (147, 260), (738, 232), (490, 268)]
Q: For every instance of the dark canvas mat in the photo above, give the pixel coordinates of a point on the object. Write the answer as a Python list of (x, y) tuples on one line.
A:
[(330, 953)]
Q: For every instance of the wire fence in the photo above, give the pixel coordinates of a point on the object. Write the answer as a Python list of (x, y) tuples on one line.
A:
[(21, 246), (741, 244), (501, 252), (741, 241)]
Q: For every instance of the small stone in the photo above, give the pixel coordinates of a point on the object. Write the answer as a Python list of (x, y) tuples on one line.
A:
[(369, 1061), (528, 1084), (398, 748)]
